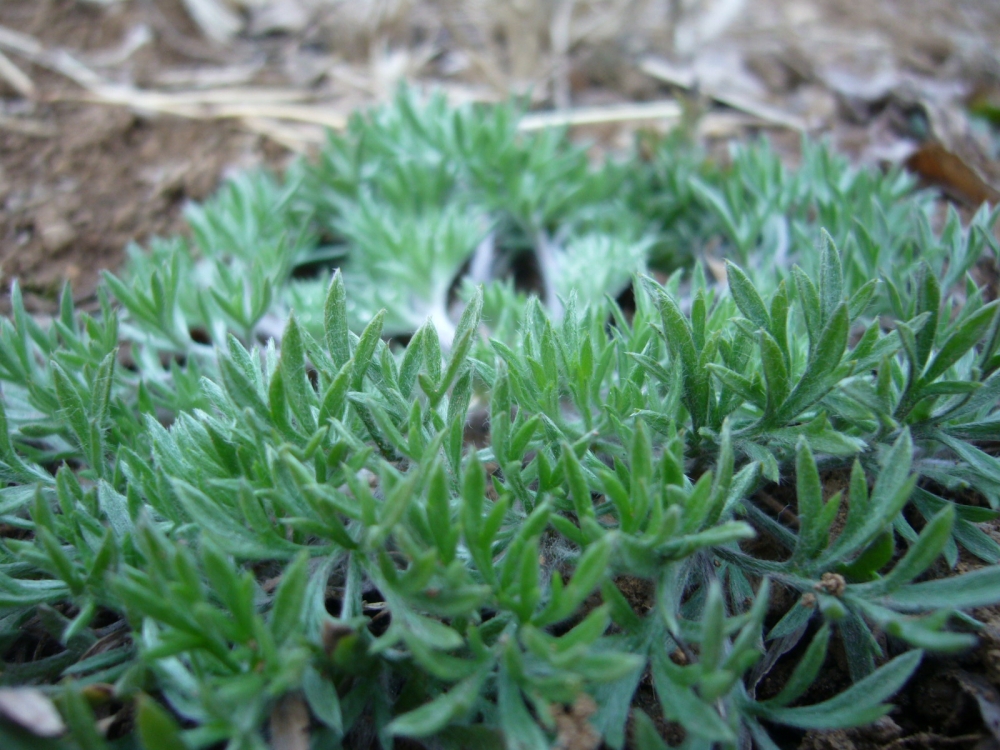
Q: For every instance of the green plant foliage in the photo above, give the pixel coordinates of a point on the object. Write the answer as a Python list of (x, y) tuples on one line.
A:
[(234, 487)]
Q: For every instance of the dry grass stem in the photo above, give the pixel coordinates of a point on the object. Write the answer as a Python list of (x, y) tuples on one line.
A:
[(684, 78), (16, 78), (661, 110), (32, 128)]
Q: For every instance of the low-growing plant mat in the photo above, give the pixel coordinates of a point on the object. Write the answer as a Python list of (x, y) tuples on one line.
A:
[(644, 453)]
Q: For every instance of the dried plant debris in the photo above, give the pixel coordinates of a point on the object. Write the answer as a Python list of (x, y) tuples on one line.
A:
[(241, 505), (30, 709), (941, 167)]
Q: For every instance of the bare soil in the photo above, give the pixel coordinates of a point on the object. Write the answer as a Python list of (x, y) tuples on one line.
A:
[(78, 181)]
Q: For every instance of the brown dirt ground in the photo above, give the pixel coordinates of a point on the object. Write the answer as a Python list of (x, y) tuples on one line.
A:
[(78, 181), (73, 201)]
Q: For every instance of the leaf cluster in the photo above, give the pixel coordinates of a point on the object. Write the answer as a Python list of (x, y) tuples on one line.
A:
[(293, 511)]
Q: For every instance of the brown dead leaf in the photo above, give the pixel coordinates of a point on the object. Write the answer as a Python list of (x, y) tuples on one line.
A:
[(290, 724), (32, 710), (938, 165)]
